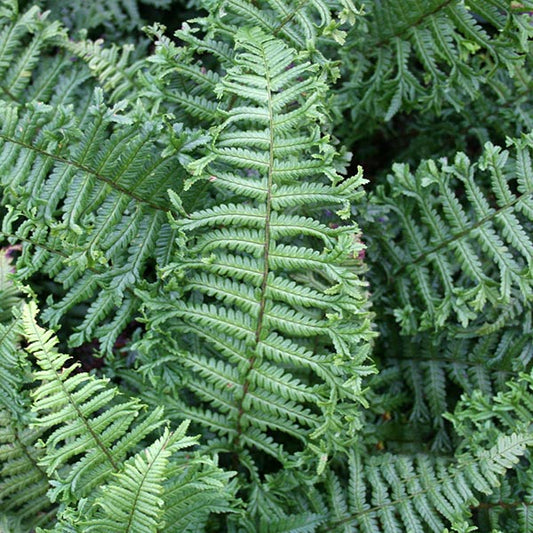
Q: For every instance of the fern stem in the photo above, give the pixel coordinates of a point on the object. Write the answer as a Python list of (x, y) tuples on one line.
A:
[(84, 168), (266, 251), (289, 17)]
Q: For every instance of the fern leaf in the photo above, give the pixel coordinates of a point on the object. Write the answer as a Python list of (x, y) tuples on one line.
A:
[(23, 482), (83, 420), (133, 500), (443, 253), (239, 295), (429, 55)]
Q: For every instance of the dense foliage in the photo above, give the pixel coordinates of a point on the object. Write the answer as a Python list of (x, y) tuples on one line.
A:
[(267, 268)]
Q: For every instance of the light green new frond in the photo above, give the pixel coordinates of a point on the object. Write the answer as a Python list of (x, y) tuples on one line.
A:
[(453, 221), (133, 501), (90, 431)]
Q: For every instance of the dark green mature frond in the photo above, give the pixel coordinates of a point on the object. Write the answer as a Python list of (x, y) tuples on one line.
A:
[(457, 240), (23, 37), (12, 372), (263, 309), (103, 197), (432, 54), (114, 17), (23, 482), (421, 493), (395, 492)]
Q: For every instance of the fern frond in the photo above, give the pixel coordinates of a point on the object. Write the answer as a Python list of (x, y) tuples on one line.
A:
[(132, 502), (425, 493), (90, 433), (106, 198), (444, 240), (18, 58), (429, 55), (240, 298), (23, 482)]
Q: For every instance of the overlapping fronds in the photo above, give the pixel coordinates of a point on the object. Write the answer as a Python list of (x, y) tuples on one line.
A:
[(189, 197), (432, 54), (93, 455), (266, 287), (90, 430), (133, 500), (91, 210), (457, 240), (399, 492)]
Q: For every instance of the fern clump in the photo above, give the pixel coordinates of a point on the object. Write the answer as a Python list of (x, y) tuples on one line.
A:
[(266, 267)]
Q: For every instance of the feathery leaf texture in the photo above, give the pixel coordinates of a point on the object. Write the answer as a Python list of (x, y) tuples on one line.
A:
[(399, 492), (89, 430), (459, 243), (23, 482), (132, 501), (103, 198), (431, 54), (92, 450), (200, 183), (240, 292)]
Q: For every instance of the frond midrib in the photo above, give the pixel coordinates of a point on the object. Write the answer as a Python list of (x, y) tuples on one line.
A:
[(266, 250), (87, 169), (73, 403)]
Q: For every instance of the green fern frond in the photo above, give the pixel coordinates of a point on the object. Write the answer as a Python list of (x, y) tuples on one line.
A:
[(424, 493), (133, 501), (106, 198), (23, 482), (429, 55), (442, 240), (18, 58), (89, 431), (240, 296)]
